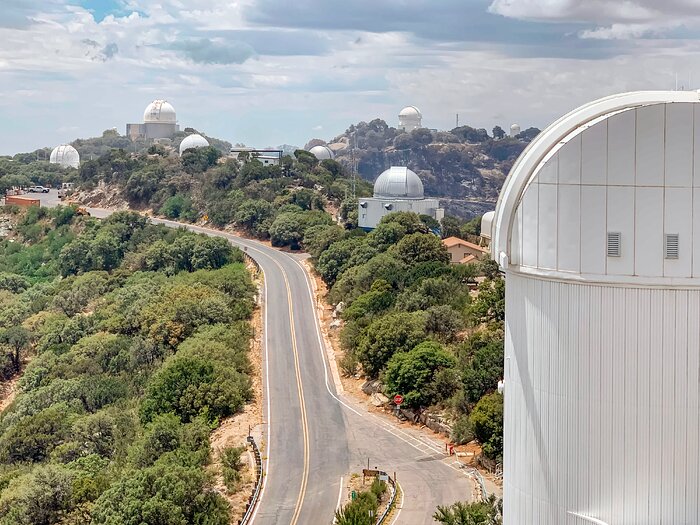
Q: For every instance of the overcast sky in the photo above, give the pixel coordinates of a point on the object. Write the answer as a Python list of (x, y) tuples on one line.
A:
[(267, 72)]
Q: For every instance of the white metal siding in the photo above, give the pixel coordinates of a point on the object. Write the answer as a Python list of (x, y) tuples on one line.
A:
[(601, 403), (632, 173)]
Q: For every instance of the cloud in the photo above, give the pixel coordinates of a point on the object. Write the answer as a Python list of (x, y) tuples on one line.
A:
[(207, 51), (611, 19), (18, 14)]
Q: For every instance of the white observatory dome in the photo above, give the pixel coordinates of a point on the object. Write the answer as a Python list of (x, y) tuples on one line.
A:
[(410, 118), (411, 112), (398, 183), (65, 155), (597, 228), (160, 111), (193, 141), (514, 130), (322, 152)]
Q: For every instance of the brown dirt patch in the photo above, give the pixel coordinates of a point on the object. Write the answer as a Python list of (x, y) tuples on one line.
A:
[(8, 392)]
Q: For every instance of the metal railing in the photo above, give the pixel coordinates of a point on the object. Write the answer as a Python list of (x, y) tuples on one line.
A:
[(392, 500), (253, 500)]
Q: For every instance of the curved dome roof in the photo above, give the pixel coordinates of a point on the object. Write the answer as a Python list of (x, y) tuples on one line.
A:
[(410, 111), (65, 155), (160, 111), (564, 212), (322, 152), (193, 141), (398, 183)]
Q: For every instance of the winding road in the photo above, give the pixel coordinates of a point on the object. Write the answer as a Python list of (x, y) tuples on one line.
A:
[(313, 435)]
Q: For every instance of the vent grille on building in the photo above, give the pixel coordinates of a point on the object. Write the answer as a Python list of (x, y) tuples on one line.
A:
[(671, 246), (614, 244)]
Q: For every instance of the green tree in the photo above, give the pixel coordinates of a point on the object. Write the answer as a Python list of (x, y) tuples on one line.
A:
[(287, 230), (166, 494), (490, 302), (488, 512), (409, 220), (450, 226), (40, 497), (393, 333), (486, 421), (413, 374), (379, 298), (12, 282), (498, 132), (482, 365), (16, 339), (420, 247), (174, 316)]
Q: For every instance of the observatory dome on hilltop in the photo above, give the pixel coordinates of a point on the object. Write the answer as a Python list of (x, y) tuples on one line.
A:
[(398, 183), (396, 189), (159, 111), (159, 122), (410, 118), (322, 152), (65, 155), (193, 141)]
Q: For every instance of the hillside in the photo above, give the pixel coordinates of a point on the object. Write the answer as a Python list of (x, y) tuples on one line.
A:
[(464, 166)]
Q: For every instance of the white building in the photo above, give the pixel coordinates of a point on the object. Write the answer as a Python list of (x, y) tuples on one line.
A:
[(410, 118), (396, 189), (159, 122), (65, 155), (193, 141), (514, 130), (267, 157), (322, 152), (598, 230)]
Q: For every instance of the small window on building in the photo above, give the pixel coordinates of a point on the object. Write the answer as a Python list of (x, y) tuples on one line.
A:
[(671, 246), (614, 244)]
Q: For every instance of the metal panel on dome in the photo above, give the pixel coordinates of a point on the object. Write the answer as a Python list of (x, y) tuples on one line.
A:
[(397, 183)]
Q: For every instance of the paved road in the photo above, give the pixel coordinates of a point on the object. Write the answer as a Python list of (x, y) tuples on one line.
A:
[(314, 435)]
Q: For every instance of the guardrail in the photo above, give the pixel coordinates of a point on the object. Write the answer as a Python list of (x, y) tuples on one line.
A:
[(253, 500), (392, 500)]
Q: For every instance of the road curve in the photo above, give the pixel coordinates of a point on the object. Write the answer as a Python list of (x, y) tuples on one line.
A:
[(313, 435)]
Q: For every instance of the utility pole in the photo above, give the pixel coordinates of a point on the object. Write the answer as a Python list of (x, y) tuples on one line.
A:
[(457, 121)]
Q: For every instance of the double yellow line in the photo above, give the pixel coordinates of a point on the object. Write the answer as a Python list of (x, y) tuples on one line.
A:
[(302, 403)]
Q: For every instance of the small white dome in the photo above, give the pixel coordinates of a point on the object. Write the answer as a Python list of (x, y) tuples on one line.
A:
[(411, 111), (398, 183), (160, 111), (65, 155), (514, 130), (193, 141), (322, 152)]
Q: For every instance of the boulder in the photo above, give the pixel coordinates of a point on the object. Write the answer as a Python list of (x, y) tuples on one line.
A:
[(372, 387), (379, 399), (335, 324)]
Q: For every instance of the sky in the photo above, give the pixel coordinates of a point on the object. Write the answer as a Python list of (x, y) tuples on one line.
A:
[(271, 72)]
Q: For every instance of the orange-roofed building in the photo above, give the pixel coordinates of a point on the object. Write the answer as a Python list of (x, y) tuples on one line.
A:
[(463, 252)]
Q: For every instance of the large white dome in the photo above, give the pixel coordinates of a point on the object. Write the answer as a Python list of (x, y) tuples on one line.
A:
[(322, 152), (160, 111), (65, 155), (398, 183), (193, 141), (410, 112)]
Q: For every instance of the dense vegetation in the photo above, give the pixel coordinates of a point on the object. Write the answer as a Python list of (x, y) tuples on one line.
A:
[(134, 341), (411, 320)]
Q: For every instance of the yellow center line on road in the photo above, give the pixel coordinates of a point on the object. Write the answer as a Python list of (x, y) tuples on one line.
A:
[(304, 424)]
